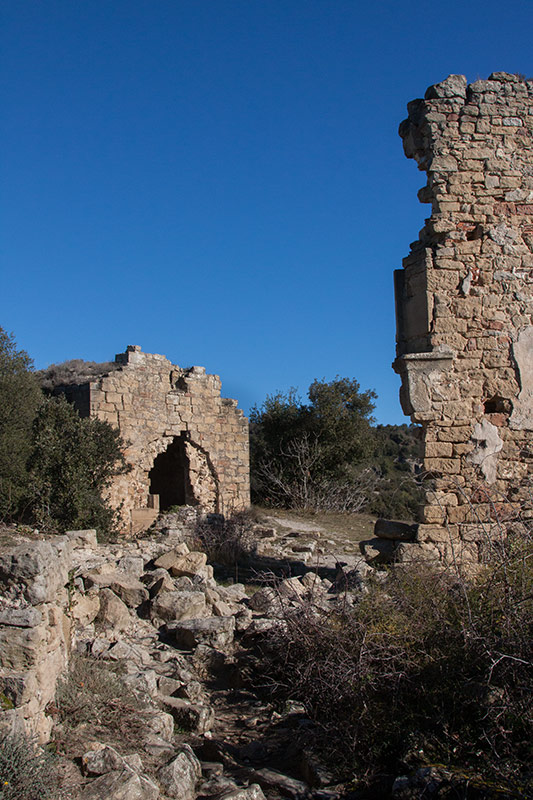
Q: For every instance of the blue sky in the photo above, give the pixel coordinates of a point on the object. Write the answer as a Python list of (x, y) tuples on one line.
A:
[(222, 181)]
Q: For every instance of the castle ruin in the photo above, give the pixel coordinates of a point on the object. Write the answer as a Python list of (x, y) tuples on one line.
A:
[(185, 443), (464, 308)]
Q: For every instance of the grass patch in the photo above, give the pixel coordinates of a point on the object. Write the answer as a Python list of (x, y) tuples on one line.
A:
[(355, 527)]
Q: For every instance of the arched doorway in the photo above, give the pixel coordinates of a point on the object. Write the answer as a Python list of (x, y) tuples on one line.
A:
[(169, 477)]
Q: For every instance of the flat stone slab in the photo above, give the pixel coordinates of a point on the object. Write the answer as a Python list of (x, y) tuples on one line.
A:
[(295, 525)]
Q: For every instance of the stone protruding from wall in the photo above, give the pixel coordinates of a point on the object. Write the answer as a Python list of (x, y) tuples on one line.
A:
[(185, 443), (464, 303)]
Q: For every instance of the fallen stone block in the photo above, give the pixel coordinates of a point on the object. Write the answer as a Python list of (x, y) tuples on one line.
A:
[(190, 716), (190, 565), (168, 606), (394, 529), (129, 589), (216, 632), (378, 551), (168, 560)]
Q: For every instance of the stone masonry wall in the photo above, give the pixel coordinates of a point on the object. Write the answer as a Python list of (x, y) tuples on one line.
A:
[(153, 402), (465, 309)]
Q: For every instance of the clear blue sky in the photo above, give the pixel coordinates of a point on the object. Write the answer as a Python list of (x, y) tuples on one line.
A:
[(222, 181)]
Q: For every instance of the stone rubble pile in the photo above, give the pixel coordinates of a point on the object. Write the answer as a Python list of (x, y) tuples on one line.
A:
[(154, 607)]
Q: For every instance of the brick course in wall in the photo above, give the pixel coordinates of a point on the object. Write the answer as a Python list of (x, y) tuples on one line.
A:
[(464, 307), (156, 404)]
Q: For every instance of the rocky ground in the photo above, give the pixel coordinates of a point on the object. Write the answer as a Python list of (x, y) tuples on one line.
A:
[(176, 634)]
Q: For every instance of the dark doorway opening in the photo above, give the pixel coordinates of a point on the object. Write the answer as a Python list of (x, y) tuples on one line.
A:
[(169, 477)]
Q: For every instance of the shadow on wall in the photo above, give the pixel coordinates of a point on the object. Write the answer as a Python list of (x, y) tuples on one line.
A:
[(169, 477)]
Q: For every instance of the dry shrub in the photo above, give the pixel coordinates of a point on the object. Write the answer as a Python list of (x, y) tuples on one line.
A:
[(72, 372), (27, 772), (93, 701), (227, 541), (431, 667)]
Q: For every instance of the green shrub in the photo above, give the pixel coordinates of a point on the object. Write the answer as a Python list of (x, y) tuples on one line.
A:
[(72, 462), (27, 772), (20, 397)]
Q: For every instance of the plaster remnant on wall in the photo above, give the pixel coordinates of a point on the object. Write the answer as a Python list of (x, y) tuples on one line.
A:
[(464, 307), (522, 416), (487, 446)]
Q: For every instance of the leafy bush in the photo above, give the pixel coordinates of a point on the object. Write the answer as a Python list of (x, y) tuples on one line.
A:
[(19, 399), (54, 466), (428, 668), (72, 462), (27, 772)]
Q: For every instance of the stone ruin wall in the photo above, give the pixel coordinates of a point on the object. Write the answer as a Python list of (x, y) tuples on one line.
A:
[(465, 309), (153, 403)]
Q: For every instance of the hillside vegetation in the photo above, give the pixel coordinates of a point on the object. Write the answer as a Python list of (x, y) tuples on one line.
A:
[(54, 466)]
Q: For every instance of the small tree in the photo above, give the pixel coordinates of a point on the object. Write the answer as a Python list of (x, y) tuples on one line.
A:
[(20, 396), (72, 462), (300, 451)]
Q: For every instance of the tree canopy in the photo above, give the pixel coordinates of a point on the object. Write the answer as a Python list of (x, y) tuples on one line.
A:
[(54, 465), (300, 451), (20, 397)]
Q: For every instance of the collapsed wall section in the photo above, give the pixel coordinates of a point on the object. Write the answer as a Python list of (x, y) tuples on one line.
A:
[(185, 443), (464, 307)]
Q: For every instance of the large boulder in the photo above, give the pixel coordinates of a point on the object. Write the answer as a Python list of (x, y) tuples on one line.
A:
[(216, 632), (169, 606), (113, 612), (180, 776)]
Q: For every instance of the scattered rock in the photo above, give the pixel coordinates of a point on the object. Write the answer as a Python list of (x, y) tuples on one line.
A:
[(190, 716), (101, 759)]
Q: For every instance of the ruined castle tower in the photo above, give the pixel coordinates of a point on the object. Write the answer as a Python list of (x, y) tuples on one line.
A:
[(465, 309), (185, 443)]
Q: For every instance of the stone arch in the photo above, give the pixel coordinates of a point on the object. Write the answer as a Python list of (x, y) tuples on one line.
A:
[(183, 474)]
